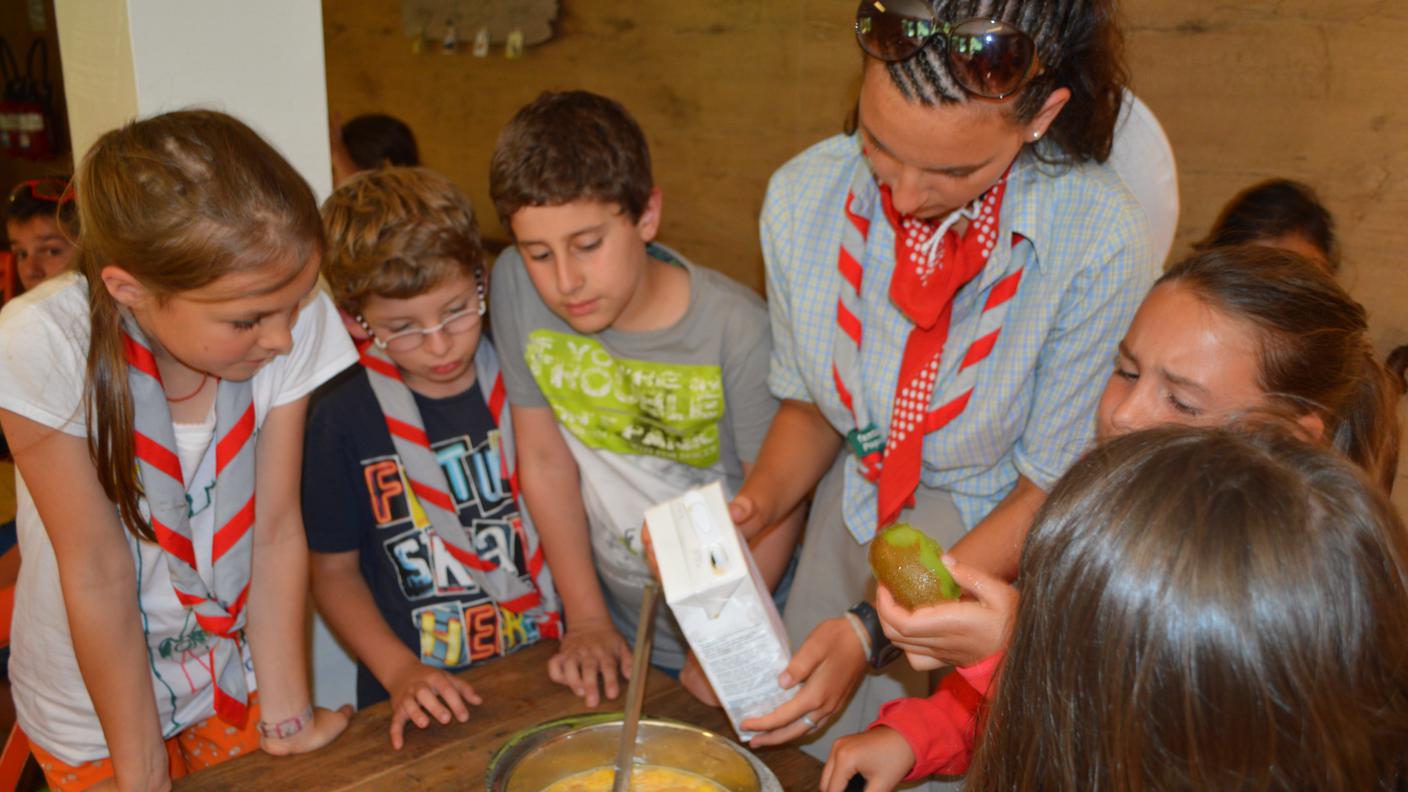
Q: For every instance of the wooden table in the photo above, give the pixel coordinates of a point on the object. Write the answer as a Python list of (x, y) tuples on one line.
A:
[(517, 694)]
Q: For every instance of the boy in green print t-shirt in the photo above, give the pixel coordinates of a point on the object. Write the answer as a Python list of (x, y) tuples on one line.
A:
[(632, 374)]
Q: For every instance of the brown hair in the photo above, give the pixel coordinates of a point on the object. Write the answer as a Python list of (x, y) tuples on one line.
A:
[(376, 140), (1081, 48), (178, 201), (570, 146), (397, 233), (25, 204), (1271, 210), (1206, 609), (1397, 365), (1315, 356)]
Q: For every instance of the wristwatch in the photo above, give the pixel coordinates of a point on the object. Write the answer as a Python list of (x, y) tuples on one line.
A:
[(881, 651), (287, 727)]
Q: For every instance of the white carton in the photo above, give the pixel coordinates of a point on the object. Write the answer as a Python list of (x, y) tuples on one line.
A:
[(720, 601)]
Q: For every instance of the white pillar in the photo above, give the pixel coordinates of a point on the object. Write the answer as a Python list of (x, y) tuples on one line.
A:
[(258, 60)]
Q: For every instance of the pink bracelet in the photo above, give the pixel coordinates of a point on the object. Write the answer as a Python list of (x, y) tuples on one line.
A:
[(287, 727)]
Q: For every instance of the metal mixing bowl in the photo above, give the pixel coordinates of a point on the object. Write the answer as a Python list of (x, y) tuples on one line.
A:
[(536, 757)]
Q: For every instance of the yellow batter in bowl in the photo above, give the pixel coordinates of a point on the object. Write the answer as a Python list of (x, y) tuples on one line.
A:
[(646, 778)]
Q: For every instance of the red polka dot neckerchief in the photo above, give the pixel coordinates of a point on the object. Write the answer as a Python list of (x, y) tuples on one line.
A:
[(932, 262)]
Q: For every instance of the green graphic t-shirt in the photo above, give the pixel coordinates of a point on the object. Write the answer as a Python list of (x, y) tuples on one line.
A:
[(668, 410), (646, 415)]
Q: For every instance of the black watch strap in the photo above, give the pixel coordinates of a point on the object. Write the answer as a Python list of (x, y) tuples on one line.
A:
[(882, 652)]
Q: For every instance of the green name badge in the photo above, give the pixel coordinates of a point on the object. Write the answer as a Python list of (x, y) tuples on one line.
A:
[(864, 442)]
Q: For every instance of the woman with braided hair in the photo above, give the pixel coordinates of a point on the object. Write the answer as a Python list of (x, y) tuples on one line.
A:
[(948, 284)]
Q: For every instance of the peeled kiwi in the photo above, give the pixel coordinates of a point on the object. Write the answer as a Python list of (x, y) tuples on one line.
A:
[(908, 563)]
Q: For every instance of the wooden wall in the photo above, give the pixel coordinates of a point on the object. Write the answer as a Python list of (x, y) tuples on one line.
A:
[(727, 90)]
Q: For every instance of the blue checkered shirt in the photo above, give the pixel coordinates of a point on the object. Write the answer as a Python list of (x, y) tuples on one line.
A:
[(1088, 265)]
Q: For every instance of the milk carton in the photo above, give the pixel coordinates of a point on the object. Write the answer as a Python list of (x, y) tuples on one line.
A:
[(720, 601)]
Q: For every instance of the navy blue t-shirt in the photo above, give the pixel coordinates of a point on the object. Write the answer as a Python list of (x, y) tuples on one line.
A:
[(355, 498)]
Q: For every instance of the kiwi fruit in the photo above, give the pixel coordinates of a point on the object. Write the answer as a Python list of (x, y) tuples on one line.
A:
[(909, 564)]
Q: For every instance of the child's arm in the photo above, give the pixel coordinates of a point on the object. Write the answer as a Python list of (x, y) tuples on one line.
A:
[(345, 601), (548, 474), (98, 583), (277, 618), (941, 730), (914, 738)]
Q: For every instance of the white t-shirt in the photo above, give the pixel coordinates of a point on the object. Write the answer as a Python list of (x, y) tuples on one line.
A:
[(1143, 158), (43, 352)]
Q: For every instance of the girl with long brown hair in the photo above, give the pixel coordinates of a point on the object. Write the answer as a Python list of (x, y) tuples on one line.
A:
[(149, 398), (1203, 608)]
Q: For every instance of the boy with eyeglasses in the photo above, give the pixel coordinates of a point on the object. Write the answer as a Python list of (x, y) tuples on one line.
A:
[(633, 374), (422, 562)]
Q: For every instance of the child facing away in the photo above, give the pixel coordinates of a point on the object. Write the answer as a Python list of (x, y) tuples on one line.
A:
[(1233, 613), (422, 561), (148, 399), (370, 141), (39, 224), (1278, 213), (633, 374)]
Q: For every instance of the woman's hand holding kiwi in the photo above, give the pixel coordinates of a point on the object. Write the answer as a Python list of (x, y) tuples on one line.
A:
[(919, 606)]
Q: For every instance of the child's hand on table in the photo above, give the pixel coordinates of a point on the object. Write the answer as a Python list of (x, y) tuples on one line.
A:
[(591, 648), (960, 633), (881, 754), (420, 692), (326, 726)]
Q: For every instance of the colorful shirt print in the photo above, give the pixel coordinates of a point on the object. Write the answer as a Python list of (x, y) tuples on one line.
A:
[(356, 496)]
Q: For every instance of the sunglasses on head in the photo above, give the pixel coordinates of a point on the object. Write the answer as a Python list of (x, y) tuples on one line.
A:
[(55, 190), (987, 58)]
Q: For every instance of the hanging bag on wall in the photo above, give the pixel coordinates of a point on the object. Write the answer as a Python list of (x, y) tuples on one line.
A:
[(9, 98)]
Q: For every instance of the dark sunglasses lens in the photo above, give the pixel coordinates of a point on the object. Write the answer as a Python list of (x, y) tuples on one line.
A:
[(990, 59), (895, 30)]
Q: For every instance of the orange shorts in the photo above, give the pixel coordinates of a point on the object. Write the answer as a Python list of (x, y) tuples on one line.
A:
[(206, 744)]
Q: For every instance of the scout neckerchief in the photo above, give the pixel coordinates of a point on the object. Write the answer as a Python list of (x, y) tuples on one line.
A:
[(931, 264), (427, 479), (220, 607)]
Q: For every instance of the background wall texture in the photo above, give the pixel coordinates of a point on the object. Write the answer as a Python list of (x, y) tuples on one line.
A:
[(728, 90)]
